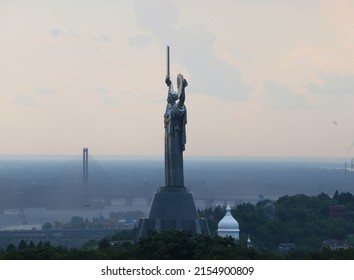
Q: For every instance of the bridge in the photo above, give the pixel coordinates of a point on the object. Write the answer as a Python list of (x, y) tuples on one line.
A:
[(200, 200), (95, 234)]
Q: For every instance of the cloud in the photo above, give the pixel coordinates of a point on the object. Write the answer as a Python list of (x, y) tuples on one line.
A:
[(56, 33), (25, 100), (242, 55), (106, 96), (109, 100), (100, 90), (192, 47), (59, 35), (281, 96), (157, 16), (45, 91), (140, 41), (103, 38), (338, 84)]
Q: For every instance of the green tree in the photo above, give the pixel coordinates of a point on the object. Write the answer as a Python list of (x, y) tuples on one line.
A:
[(104, 244), (167, 245), (22, 245), (11, 247), (31, 245), (47, 226), (77, 222)]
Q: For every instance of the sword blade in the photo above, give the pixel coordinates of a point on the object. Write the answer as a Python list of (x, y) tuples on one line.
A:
[(168, 62)]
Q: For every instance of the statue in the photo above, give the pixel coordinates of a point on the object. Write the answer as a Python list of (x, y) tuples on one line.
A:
[(175, 120), (172, 206)]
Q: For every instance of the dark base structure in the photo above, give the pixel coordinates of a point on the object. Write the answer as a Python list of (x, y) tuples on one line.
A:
[(172, 208)]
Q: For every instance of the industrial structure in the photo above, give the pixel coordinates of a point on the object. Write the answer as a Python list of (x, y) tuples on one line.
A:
[(85, 171)]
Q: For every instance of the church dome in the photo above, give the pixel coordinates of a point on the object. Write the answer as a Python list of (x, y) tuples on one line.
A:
[(228, 226)]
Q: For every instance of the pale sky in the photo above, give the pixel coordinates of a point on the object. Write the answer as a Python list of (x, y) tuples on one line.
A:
[(266, 78)]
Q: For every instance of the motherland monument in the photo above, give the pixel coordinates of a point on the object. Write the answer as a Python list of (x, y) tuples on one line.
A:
[(172, 206)]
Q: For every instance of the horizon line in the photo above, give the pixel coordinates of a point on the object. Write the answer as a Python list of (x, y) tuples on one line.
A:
[(187, 157)]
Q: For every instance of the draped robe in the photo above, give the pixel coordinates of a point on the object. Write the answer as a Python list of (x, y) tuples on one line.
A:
[(175, 120)]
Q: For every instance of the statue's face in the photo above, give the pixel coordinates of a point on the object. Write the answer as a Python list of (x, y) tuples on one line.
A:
[(172, 98)]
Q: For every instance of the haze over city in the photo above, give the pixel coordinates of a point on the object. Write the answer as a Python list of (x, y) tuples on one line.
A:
[(266, 78)]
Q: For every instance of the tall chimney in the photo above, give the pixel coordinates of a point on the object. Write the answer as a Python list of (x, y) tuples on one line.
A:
[(85, 170)]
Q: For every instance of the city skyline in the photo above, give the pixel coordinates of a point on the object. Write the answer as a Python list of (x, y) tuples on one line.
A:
[(265, 79)]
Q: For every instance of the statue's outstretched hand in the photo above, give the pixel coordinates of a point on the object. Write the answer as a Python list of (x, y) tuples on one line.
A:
[(168, 81)]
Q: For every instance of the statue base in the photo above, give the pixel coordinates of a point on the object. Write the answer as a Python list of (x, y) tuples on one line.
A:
[(172, 208)]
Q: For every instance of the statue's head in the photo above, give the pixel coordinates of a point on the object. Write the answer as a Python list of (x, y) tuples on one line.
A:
[(172, 97)]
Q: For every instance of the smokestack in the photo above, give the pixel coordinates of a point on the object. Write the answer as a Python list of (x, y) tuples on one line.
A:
[(85, 170)]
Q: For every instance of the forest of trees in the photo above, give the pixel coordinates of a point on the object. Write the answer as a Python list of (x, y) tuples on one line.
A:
[(303, 220), (168, 245)]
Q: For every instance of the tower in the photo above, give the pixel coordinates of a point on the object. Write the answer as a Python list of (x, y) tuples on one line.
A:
[(249, 242), (85, 170)]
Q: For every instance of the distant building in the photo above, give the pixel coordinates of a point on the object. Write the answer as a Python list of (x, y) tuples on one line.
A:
[(285, 247), (337, 211), (335, 244), (228, 226)]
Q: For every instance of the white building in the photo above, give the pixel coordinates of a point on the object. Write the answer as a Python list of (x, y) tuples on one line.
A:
[(228, 226)]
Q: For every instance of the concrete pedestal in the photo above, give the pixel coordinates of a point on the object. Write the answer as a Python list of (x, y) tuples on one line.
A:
[(172, 208)]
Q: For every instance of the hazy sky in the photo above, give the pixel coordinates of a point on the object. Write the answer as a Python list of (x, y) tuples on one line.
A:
[(266, 78)]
